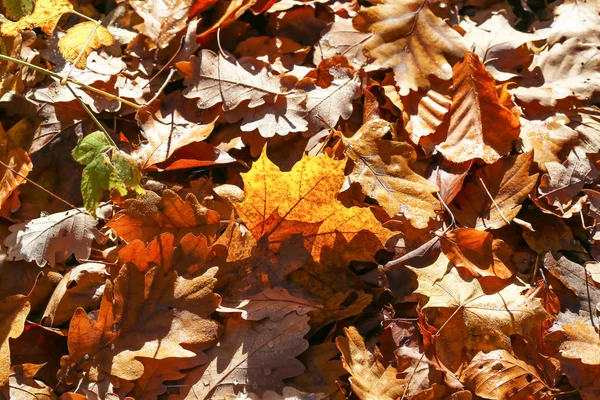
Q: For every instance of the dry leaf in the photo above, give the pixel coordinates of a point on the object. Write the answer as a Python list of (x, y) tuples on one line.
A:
[(341, 39), (16, 158), (163, 19), (409, 38), (81, 40), (370, 378), (45, 15), (500, 375), (382, 169), (507, 182), (13, 311), (480, 126), (23, 385), (251, 355), (52, 239)]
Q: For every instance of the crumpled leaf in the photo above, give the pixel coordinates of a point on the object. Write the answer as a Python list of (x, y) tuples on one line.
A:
[(80, 287), (106, 167), (252, 355), (82, 39), (370, 378), (156, 315), (563, 182), (273, 303), (480, 126), (409, 38), (426, 114), (151, 215), (163, 19), (45, 15), (508, 182), (13, 311), (341, 39), (382, 169), (500, 375), (53, 238), (15, 157)]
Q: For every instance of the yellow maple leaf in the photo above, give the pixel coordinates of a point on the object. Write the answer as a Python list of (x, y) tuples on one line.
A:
[(82, 39), (45, 15)]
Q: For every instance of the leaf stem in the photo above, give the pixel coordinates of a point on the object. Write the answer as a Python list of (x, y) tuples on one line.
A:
[(73, 81), (83, 16)]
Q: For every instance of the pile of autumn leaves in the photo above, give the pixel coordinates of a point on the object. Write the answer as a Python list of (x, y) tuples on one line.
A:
[(409, 214)]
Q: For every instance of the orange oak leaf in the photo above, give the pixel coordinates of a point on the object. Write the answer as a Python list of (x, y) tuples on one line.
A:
[(156, 314), (151, 215), (480, 125)]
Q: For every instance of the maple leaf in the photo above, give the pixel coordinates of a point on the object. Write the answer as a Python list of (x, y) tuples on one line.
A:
[(307, 194), (13, 311), (163, 19), (485, 320), (480, 126), (507, 182), (409, 38), (254, 355), (500, 375), (370, 378), (81, 40), (45, 15), (53, 238), (16, 158), (150, 314), (151, 215), (382, 169)]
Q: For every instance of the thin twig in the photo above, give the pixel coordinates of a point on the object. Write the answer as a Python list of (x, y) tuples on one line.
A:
[(93, 117), (63, 81), (71, 80), (492, 199), (39, 186)]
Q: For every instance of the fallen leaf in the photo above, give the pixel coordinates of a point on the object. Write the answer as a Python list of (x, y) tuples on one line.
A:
[(156, 315), (151, 215), (323, 369), (52, 239), (163, 19), (81, 40), (500, 375), (23, 385), (425, 114), (409, 38), (382, 169), (341, 38), (17, 159), (45, 15), (273, 303), (480, 126), (253, 355), (507, 182), (13, 311), (578, 341), (370, 378)]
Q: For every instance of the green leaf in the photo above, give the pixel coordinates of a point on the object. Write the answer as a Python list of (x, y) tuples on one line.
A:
[(106, 168), (17, 9)]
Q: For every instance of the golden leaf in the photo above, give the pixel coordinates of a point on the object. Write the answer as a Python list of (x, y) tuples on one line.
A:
[(81, 40), (45, 15)]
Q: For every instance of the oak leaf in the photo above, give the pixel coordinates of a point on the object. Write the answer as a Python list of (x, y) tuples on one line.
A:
[(577, 341), (382, 169), (151, 215), (82, 39), (323, 369), (306, 195), (341, 38), (508, 182), (500, 375), (23, 385), (45, 15), (480, 126), (409, 38), (370, 378), (13, 311), (53, 238), (255, 355), (156, 314), (163, 19)]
